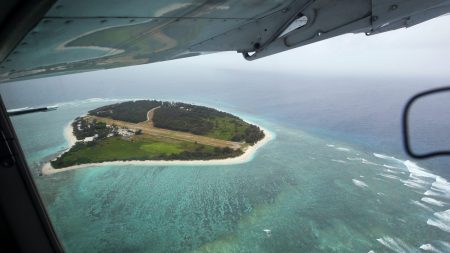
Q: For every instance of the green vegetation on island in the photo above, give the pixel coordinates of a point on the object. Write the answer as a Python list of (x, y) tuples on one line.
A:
[(184, 117), (130, 111), (140, 148), (202, 120), (153, 130)]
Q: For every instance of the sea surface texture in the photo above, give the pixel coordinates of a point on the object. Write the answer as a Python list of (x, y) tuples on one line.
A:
[(302, 192)]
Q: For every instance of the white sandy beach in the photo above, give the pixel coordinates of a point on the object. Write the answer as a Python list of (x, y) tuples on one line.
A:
[(68, 134), (247, 156)]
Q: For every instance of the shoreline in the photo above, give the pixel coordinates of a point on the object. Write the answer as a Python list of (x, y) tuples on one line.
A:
[(69, 136), (247, 156)]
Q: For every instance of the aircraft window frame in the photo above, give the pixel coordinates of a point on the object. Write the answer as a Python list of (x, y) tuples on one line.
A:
[(21, 206)]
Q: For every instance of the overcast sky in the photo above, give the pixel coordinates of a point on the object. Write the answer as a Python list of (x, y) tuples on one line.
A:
[(420, 50)]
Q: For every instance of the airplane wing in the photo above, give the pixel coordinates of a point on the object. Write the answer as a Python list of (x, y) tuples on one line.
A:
[(45, 38)]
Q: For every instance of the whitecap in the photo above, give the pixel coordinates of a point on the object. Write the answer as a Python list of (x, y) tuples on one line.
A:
[(18, 109), (429, 247), (362, 160), (343, 149), (418, 171), (439, 188), (422, 205), (396, 244), (338, 161), (392, 171), (95, 100), (432, 201), (416, 183), (389, 176), (389, 167), (369, 162), (419, 178), (438, 246), (388, 158), (441, 220), (330, 145), (359, 183)]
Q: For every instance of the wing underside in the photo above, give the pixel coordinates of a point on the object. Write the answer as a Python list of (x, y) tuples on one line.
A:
[(60, 37)]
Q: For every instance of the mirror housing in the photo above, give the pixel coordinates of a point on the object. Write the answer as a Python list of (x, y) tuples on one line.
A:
[(406, 126)]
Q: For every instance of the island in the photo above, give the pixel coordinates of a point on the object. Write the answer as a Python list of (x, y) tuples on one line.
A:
[(151, 130)]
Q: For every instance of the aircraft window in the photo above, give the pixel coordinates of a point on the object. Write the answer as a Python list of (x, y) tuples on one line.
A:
[(297, 152)]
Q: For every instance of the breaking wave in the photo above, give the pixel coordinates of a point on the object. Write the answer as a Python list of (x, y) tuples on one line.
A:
[(436, 246), (396, 245), (359, 183), (94, 100), (432, 201), (441, 220), (435, 190)]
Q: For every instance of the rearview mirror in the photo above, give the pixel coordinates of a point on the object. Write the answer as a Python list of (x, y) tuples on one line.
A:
[(426, 124)]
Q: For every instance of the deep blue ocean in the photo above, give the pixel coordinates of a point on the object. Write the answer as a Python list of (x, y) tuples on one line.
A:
[(335, 178)]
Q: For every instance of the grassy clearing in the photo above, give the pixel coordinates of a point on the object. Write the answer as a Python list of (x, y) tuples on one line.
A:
[(140, 147), (116, 148), (158, 148)]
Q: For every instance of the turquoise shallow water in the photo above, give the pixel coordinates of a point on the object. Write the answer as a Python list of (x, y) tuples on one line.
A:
[(313, 194)]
